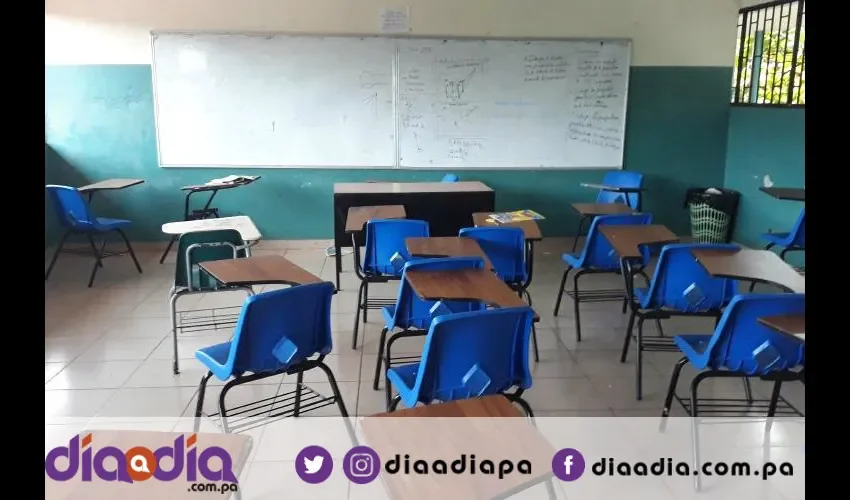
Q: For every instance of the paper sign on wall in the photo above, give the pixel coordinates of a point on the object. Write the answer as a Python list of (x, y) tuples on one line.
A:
[(395, 19)]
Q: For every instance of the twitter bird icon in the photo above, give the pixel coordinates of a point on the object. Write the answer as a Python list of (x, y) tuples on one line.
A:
[(313, 464)]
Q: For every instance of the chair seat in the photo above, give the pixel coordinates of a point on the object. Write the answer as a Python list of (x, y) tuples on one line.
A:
[(403, 378), (644, 300), (388, 312), (381, 272), (107, 224), (693, 347), (575, 261), (782, 239), (642, 296), (214, 357), (203, 282), (572, 259), (516, 280)]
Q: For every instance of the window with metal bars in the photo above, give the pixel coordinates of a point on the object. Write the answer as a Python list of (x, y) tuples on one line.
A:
[(770, 62)]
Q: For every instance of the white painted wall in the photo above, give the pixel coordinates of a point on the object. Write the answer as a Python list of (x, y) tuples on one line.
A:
[(664, 32)]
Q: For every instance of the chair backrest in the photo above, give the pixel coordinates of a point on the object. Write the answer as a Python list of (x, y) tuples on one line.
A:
[(798, 233), (597, 251), (211, 245), (282, 327), (475, 354), (504, 246), (450, 178), (740, 342), (385, 238), (413, 312), (620, 178), (682, 284), (72, 210)]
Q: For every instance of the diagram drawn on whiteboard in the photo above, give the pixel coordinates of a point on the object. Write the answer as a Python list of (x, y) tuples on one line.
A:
[(455, 88)]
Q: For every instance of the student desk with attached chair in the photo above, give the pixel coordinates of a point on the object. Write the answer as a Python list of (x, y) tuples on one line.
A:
[(446, 206)]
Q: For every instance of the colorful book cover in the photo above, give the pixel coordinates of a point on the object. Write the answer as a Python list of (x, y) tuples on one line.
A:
[(516, 216)]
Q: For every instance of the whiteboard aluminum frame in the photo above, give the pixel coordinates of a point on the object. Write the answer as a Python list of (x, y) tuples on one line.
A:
[(395, 72)]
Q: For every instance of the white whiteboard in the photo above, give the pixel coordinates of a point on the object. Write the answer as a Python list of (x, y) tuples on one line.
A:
[(308, 101), (274, 100), (512, 104)]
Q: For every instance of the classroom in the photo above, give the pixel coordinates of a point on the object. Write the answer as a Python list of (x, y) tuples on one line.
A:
[(296, 203)]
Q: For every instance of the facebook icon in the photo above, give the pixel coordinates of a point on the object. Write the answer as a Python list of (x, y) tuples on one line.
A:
[(568, 464)]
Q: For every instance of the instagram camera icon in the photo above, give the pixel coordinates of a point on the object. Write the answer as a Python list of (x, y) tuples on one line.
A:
[(361, 464)]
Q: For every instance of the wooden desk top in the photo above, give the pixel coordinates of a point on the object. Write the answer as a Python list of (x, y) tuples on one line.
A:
[(494, 438), (446, 246), (602, 208), (110, 184), (627, 240), (238, 446), (258, 270), (409, 187), (793, 194), (486, 407), (467, 284), (751, 265), (792, 325), (241, 223), (529, 227), (358, 216)]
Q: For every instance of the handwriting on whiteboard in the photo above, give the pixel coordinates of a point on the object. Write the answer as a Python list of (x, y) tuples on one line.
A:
[(545, 68), (543, 104)]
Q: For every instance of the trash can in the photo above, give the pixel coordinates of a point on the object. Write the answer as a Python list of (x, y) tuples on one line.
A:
[(713, 212)]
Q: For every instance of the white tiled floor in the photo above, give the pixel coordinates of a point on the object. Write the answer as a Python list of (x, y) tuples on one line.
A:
[(107, 349), (108, 353)]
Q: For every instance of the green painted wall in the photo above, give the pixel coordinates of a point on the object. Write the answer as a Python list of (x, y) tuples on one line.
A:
[(100, 124), (765, 141)]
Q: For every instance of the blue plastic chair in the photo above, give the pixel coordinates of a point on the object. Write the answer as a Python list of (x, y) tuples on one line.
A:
[(679, 287), (793, 241), (741, 346), (412, 314), (505, 247), (192, 250), (72, 212), (284, 331), (468, 355), (384, 239), (597, 257), (623, 179), (450, 178)]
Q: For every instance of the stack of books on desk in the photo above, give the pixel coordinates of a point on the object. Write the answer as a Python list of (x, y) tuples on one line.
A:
[(515, 216)]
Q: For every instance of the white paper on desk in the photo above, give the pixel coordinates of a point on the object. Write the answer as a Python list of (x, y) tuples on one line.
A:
[(230, 179), (395, 19)]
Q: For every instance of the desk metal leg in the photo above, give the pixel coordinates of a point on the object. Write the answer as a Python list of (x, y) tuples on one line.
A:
[(529, 260), (167, 249), (338, 256)]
